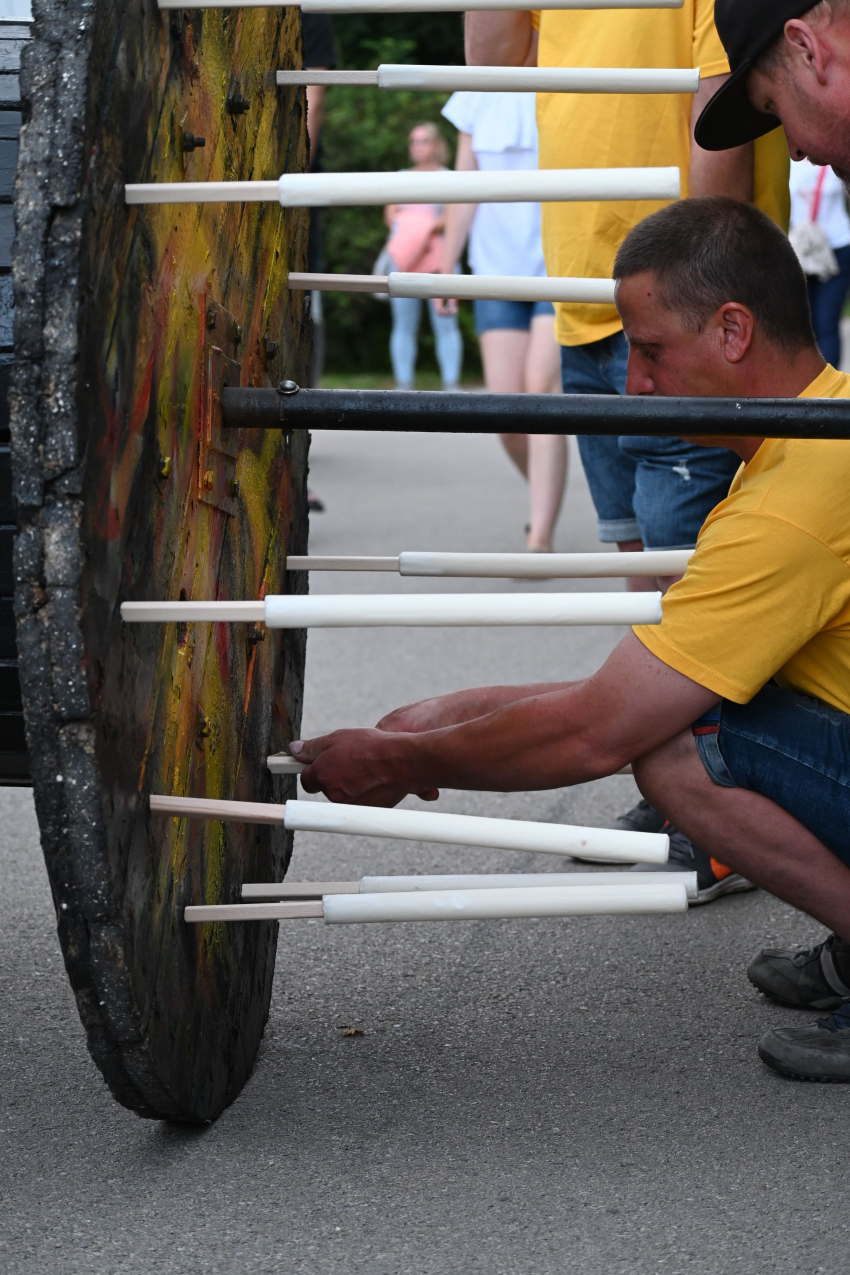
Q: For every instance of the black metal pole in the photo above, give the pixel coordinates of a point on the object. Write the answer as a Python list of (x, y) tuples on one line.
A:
[(398, 411)]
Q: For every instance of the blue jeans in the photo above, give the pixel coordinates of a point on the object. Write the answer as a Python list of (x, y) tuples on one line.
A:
[(791, 748), (512, 316), (658, 490), (404, 341), (826, 301)]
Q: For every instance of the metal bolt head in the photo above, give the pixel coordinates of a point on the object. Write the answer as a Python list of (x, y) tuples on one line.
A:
[(237, 332), (256, 634), (270, 347), (288, 387), (211, 318), (237, 104), (192, 143), (209, 480), (234, 487)]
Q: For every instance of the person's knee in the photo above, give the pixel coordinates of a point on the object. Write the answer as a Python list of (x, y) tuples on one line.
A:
[(662, 774)]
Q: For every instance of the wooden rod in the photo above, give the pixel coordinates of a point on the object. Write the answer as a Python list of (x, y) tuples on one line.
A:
[(297, 911), (298, 890), (337, 282), (210, 808), (339, 79), (338, 563), (192, 612)]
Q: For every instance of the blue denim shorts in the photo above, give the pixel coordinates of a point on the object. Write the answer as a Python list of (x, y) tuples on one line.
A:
[(513, 315), (791, 748), (658, 490)]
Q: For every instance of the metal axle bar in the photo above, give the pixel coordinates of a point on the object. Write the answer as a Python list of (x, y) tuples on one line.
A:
[(432, 412), (503, 79)]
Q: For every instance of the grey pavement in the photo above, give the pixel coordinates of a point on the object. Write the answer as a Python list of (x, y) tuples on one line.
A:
[(525, 1097)]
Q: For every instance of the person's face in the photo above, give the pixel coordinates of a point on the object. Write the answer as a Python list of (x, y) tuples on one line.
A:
[(810, 93), (423, 146), (667, 357)]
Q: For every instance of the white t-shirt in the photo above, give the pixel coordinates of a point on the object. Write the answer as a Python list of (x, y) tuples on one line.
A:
[(832, 209), (505, 238)]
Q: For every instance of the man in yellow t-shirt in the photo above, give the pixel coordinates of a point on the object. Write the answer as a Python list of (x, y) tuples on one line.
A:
[(652, 492), (735, 709)]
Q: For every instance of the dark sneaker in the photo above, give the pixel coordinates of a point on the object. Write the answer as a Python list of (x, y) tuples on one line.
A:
[(820, 1051), (641, 818), (713, 878), (808, 979)]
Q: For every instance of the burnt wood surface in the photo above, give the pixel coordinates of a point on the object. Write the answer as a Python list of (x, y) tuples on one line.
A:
[(128, 325)]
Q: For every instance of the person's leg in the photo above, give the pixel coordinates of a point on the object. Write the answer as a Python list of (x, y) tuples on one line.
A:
[(406, 314), (749, 832), (449, 344), (600, 368), (503, 352), (677, 484), (826, 300), (547, 453)]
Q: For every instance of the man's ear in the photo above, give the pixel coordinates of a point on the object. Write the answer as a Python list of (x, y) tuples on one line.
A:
[(803, 45), (737, 327)]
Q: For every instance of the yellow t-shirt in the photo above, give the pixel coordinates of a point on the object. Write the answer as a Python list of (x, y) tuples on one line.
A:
[(767, 590), (629, 130)]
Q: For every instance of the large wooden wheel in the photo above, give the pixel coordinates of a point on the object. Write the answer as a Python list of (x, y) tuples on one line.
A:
[(129, 322)]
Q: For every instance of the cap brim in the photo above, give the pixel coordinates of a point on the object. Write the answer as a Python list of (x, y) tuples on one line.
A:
[(730, 119)]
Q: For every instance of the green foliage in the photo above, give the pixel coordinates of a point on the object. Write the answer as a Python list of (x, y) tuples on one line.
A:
[(366, 130)]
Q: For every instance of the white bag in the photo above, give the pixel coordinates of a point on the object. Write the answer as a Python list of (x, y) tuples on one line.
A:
[(811, 243), (814, 251)]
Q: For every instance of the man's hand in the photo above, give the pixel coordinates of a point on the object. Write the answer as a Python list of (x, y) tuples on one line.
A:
[(358, 767)]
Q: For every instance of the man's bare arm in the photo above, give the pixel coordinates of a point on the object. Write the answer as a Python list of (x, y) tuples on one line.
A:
[(584, 731), (718, 172), (503, 38), (461, 706)]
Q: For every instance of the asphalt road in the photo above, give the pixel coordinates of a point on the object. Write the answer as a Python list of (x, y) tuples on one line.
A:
[(525, 1097)]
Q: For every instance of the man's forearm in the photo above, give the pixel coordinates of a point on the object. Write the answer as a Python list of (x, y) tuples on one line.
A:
[(545, 741), (461, 706), (501, 38)]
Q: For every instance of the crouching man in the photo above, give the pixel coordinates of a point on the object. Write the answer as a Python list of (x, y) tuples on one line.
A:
[(735, 710)]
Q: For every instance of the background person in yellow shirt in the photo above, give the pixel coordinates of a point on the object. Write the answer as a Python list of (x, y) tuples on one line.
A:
[(735, 710), (653, 492)]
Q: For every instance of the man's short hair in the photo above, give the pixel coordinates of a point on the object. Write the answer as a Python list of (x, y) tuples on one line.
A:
[(709, 251), (776, 54)]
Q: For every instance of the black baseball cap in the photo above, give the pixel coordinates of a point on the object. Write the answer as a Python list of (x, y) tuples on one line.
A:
[(746, 28)]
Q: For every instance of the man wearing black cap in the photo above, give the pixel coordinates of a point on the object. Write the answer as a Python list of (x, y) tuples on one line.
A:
[(790, 65)]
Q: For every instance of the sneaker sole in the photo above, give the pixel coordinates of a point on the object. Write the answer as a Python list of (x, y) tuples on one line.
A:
[(790, 1074), (810, 1006), (733, 884)]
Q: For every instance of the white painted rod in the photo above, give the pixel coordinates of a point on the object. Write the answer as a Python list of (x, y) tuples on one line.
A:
[(410, 610), (460, 905), (459, 609), (479, 287), (458, 6), (464, 287), (474, 830), (257, 891), (585, 566), (300, 190), (496, 905), (579, 566), (344, 190), (504, 79), (425, 825)]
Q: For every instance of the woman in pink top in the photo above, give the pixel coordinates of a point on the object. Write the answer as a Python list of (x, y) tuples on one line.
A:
[(416, 244)]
